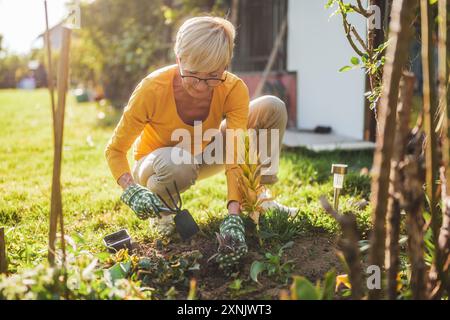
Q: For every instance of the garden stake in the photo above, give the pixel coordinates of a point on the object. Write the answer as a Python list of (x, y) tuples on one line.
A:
[(184, 223), (3, 263), (339, 171)]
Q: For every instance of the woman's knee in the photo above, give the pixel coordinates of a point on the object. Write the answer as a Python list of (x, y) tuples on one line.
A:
[(168, 169), (273, 108)]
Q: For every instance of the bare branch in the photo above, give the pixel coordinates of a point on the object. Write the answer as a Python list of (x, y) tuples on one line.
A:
[(347, 29), (349, 246), (360, 40)]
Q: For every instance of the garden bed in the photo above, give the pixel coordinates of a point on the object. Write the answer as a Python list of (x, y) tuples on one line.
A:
[(313, 255)]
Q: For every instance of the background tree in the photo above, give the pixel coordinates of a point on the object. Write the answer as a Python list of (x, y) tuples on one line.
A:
[(122, 41)]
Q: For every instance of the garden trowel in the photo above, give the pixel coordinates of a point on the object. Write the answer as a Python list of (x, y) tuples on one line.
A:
[(184, 223)]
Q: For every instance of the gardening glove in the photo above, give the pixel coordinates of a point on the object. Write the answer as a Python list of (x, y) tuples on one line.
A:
[(143, 202), (232, 246)]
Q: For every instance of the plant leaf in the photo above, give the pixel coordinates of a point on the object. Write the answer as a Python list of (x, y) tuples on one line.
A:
[(329, 285), (303, 289), (345, 69), (119, 270), (256, 268), (354, 61), (287, 246)]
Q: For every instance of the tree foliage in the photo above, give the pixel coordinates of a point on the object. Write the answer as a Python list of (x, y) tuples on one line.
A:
[(121, 41)]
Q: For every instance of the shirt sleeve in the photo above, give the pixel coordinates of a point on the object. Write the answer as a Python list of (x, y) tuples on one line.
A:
[(135, 116), (236, 113)]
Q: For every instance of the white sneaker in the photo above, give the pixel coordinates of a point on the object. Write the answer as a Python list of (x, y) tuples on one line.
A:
[(164, 225), (272, 204)]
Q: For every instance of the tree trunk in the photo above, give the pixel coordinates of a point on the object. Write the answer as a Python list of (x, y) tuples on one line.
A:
[(413, 176), (396, 57), (438, 273), (430, 113), (394, 208), (439, 279)]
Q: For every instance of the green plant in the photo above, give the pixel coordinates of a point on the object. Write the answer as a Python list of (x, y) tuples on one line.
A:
[(86, 279), (273, 265), (279, 226), (161, 273), (303, 289), (357, 185), (250, 186), (239, 288)]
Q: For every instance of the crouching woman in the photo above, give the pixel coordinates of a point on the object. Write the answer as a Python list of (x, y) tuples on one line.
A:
[(198, 89)]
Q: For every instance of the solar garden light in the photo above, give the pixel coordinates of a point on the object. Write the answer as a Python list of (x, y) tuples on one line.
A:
[(339, 171)]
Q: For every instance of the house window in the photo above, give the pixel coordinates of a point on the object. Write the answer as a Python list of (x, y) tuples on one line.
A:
[(258, 25)]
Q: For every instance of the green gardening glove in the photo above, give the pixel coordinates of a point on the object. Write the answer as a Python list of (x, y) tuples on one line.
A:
[(232, 246), (143, 202)]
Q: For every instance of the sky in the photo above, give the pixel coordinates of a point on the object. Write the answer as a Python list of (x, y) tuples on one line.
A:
[(21, 21)]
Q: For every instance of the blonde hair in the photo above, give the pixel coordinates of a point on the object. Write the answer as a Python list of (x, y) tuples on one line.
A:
[(205, 44)]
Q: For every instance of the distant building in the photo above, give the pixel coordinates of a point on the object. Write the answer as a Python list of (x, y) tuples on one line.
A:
[(55, 37), (305, 73)]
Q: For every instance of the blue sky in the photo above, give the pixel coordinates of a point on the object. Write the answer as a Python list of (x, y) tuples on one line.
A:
[(21, 21)]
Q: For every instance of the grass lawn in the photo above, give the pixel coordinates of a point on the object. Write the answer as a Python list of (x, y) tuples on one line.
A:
[(91, 203)]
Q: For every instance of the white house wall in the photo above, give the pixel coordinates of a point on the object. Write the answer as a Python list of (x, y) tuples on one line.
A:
[(317, 49)]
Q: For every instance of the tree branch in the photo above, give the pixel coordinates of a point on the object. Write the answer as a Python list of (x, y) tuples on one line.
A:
[(349, 246), (360, 40), (347, 29)]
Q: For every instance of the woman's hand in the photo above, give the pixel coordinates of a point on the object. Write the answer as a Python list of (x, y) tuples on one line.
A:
[(125, 180), (232, 245), (143, 202), (234, 207)]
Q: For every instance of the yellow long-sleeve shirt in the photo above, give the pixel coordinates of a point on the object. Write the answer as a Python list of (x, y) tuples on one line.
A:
[(151, 116)]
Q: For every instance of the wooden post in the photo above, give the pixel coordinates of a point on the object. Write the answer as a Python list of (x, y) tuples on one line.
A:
[(444, 82), (439, 279), (396, 57), (49, 62), (272, 57), (394, 204), (439, 270), (234, 19), (3, 261), (56, 202), (234, 12), (429, 113), (413, 178)]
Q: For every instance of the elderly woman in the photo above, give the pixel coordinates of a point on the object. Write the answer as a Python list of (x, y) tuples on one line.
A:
[(196, 89)]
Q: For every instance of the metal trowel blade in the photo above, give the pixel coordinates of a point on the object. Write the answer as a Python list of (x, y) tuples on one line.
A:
[(185, 224)]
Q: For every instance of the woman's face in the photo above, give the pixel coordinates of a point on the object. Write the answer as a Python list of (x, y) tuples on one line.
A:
[(201, 89)]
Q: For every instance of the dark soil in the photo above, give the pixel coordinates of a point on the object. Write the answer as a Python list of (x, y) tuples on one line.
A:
[(313, 255)]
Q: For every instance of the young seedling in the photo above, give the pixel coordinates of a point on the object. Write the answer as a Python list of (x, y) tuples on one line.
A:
[(250, 187), (273, 265)]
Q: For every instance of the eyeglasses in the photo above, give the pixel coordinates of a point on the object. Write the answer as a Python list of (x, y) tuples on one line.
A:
[(210, 82)]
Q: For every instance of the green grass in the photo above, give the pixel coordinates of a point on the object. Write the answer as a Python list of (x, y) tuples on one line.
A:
[(91, 196)]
